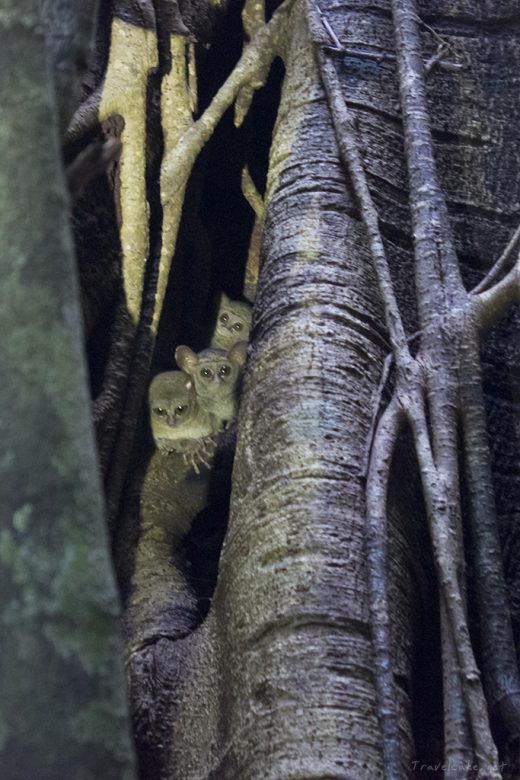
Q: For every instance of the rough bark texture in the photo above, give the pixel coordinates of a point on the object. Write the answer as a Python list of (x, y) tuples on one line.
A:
[(289, 620), (288, 623), (63, 711)]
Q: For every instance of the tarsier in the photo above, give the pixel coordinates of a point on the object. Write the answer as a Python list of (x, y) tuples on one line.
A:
[(188, 407), (178, 422), (216, 375), (233, 323)]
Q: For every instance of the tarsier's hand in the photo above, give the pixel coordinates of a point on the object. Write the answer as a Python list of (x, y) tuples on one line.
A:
[(199, 451), (165, 445)]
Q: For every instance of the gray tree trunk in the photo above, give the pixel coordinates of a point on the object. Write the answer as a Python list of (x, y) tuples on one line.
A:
[(63, 706), (288, 641)]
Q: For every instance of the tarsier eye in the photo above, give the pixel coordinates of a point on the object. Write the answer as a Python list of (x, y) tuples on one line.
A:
[(180, 409), (224, 370), (223, 318), (237, 326), (159, 411), (206, 372)]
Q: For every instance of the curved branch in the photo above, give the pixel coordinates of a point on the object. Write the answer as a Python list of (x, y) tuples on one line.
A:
[(265, 46), (251, 194), (500, 266), (494, 303)]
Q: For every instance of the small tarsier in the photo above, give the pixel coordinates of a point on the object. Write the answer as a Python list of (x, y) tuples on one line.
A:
[(215, 374), (178, 422), (233, 323)]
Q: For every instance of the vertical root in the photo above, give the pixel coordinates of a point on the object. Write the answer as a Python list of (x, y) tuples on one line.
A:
[(458, 745), (498, 650), (376, 539), (438, 510)]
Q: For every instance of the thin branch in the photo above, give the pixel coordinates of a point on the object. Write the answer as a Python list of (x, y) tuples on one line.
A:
[(351, 158), (325, 23), (376, 540), (253, 19), (251, 193), (362, 54), (438, 510), (495, 302), (265, 46), (439, 60), (458, 742), (436, 260), (378, 395), (256, 202)]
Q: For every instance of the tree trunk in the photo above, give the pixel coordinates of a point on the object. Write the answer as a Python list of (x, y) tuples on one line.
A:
[(290, 633), (64, 712)]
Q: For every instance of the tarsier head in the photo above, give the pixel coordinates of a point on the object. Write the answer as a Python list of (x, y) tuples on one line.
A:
[(172, 399), (213, 370), (215, 374), (233, 323)]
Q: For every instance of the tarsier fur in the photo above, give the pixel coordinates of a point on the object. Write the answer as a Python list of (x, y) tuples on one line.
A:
[(178, 422), (233, 323), (189, 407), (216, 375)]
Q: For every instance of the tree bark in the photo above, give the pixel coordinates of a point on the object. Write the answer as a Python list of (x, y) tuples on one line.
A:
[(64, 708), (288, 636)]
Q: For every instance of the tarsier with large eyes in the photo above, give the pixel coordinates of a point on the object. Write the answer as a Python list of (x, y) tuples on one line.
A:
[(216, 374), (233, 323), (178, 422), (188, 407)]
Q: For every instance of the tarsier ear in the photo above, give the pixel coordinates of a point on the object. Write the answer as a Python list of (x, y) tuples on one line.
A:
[(224, 300), (186, 359), (238, 353)]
